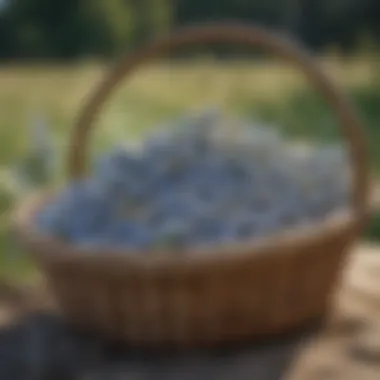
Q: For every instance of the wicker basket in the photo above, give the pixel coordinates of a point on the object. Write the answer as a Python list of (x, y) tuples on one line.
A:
[(266, 287)]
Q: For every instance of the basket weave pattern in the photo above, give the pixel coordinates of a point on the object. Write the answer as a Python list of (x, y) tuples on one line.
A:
[(213, 297), (250, 298)]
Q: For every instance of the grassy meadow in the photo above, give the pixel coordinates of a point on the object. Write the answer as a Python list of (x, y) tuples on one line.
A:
[(271, 93)]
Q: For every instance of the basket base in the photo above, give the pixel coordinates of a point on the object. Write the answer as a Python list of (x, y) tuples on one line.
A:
[(278, 338)]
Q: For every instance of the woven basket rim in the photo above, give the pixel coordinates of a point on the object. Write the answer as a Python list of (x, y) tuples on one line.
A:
[(51, 249)]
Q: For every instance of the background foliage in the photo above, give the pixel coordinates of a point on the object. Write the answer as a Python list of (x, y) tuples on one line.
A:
[(81, 28)]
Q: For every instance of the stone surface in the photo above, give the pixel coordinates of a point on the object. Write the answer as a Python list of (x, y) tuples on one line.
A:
[(39, 346), (346, 349), (366, 346)]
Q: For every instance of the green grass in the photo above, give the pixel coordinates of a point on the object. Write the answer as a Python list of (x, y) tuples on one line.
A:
[(270, 92)]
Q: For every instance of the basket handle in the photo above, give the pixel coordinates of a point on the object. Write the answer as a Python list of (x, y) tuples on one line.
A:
[(247, 35)]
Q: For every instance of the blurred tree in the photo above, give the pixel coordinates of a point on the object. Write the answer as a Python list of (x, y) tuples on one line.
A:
[(72, 28), (152, 18), (66, 29)]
